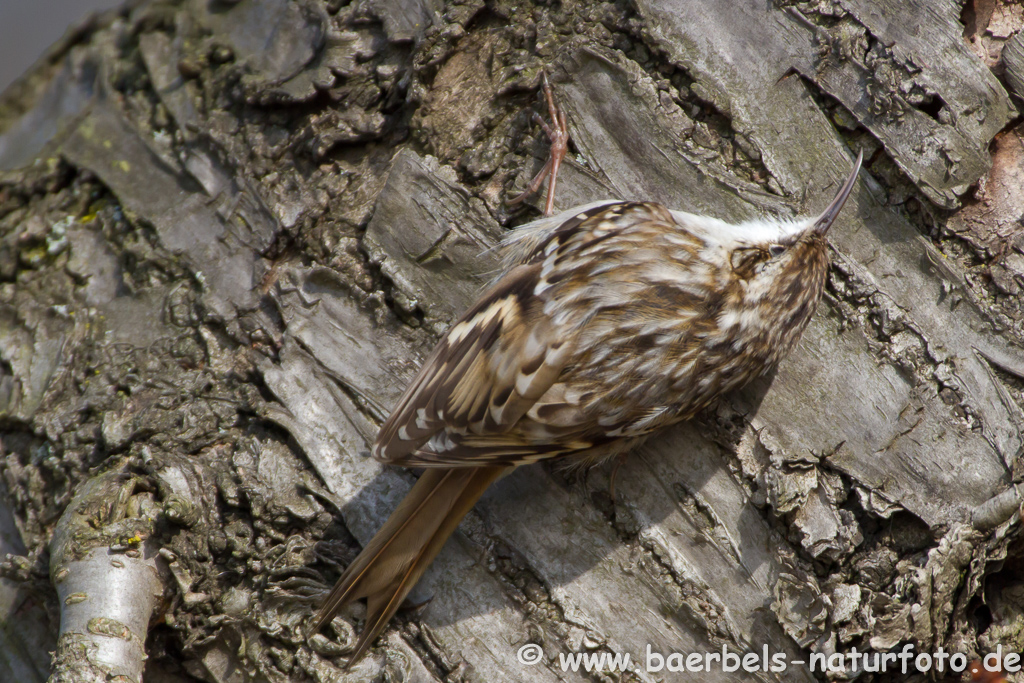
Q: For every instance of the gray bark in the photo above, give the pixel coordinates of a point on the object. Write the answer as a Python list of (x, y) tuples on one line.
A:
[(230, 232)]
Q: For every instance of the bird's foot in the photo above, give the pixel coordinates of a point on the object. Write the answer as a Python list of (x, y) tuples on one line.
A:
[(558, 134)]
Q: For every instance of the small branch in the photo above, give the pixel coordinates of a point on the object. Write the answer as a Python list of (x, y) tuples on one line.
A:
[(107, 580)]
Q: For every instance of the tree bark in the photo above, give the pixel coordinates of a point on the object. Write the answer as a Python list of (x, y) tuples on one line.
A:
[(231, 231)]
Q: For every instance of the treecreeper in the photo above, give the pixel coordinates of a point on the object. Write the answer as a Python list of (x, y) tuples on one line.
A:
[(609, 322)]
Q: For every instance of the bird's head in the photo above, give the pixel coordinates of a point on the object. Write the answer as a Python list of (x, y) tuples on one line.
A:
[(771, 254), (776, 268), (763, 251)]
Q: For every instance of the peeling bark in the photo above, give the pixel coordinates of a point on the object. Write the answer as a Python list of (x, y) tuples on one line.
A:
[(230, 232)]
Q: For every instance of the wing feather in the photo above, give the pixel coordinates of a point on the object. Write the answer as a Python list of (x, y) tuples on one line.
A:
[(501, 359), (484, 374)]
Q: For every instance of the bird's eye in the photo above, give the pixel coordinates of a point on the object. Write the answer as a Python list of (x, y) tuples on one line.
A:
[(776, 250)]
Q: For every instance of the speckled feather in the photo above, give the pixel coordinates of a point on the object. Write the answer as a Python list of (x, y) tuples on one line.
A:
[(609, 323)]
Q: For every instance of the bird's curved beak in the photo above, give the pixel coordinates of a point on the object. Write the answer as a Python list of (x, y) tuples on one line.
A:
[(828, 216)]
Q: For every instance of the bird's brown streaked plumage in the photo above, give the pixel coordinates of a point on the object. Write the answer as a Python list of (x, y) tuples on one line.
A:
[(610, 322)]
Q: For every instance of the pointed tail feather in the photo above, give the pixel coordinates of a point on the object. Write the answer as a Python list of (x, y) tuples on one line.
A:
[(396, 557)]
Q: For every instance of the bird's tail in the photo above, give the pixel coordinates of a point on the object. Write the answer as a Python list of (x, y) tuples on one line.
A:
[(395, 558)]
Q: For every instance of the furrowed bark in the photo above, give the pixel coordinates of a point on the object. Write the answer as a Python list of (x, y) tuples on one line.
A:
[(229, 233)]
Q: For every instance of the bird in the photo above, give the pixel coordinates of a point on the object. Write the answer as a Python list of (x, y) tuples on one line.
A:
[(608, 322)]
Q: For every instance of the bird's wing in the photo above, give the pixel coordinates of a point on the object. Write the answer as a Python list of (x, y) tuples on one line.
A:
[(494, 363), (509, 350), (490, 367)]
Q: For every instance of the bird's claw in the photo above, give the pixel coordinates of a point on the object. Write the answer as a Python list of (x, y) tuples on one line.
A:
[(558, 134)]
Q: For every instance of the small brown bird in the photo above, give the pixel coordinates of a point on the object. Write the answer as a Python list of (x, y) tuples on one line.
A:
[(610, 321)]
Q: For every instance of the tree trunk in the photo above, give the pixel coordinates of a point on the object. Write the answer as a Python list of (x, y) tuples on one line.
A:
[(231, 231)]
